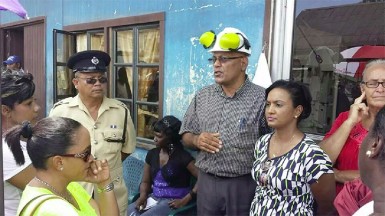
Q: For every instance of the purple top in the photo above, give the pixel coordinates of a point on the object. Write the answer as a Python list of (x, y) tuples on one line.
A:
[(161, 188)]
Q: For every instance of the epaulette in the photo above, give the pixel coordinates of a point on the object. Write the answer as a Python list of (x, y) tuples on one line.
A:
[(120, 103), (126, 111), (64, 101)]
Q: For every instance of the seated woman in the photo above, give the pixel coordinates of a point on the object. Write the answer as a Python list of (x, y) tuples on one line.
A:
[(291, 171), (372, 166), (167, 172), (60, 151), (17, 105)]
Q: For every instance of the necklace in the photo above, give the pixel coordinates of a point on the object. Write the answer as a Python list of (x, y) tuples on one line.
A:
[(66, 197), (274, 155)]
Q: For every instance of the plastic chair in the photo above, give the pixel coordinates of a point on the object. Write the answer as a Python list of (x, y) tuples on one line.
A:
[(132, 174)]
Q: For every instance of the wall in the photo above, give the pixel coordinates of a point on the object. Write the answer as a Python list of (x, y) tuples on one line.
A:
[(186, 66), (186, 20)]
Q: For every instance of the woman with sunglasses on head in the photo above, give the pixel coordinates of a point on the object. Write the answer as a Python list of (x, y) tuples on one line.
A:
[(60, 151), (294, 176), (167, 172), (17, 105)]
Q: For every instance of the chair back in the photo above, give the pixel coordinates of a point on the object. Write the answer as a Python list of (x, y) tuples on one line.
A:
[(132, 174)]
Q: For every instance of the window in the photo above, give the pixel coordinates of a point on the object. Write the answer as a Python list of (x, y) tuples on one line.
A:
[(136, 66), (90, 40), (326, 36), (135, 45), (64, 47)]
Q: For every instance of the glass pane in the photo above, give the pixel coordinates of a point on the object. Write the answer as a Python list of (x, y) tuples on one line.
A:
[(124, 46), (148, 84), (81, 42), (97, 41), (324, 32), (64, 81), (149, 45), (147, 115), (65, 43), (124, 83)]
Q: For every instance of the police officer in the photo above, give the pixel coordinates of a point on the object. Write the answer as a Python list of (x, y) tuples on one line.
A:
[(112, 136)]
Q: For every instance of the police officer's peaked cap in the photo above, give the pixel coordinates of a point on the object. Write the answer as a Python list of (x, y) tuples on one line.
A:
[(89, 61)]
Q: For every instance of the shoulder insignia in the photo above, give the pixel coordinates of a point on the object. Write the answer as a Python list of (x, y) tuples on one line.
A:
[(64, 101), (120, 103)]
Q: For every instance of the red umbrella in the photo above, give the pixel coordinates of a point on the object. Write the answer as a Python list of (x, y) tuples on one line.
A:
[(353, 69), (363, 53), (355, 59)]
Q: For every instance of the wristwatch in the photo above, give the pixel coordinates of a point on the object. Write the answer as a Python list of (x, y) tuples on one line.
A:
[(107, 188)]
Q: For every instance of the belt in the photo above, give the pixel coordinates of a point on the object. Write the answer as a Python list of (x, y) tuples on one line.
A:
[(226, 177)]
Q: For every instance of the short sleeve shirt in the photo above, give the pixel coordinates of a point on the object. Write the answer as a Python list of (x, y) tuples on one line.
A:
[(348, 157), (175, 170), (283, 183), (12, 194), (239, 120)]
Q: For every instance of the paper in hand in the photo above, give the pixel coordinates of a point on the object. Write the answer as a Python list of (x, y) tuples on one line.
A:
[(151, 202)]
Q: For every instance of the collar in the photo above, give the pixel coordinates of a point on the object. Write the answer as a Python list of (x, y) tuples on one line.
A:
[(218, 88)]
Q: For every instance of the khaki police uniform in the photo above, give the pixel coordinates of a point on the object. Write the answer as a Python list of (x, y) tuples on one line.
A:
[(108, 139)]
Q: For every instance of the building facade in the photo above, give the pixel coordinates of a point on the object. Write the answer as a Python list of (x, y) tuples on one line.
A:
[(158, 64)]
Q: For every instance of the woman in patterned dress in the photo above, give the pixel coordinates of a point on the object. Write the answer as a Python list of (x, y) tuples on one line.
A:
[(294, 176)]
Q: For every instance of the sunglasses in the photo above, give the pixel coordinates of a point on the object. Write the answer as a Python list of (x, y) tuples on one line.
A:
[(92, 81), (85, 155)]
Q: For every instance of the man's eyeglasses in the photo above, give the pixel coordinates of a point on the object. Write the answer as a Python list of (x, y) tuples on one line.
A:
[(94, 80), (85, 155), (373, 84), (222, 59)]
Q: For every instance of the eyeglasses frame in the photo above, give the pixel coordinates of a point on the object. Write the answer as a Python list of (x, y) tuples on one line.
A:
[(84, 155), (93, 80), (377, 84), (222, 59)]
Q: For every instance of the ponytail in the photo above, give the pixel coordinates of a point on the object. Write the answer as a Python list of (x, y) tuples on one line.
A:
[(12, 138)]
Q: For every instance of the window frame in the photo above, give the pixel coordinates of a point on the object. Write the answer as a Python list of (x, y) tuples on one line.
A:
[(108, 27), (281, 46), (136, 65)]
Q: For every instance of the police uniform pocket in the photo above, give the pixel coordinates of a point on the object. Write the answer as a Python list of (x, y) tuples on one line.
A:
[(114, 135)]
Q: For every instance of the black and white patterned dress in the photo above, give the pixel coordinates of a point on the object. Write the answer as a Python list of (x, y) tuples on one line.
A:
[(283, 183)]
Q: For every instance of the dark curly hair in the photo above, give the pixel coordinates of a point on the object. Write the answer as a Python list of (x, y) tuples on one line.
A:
[(16, 88), (170, 126), (299, 93)]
